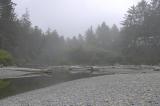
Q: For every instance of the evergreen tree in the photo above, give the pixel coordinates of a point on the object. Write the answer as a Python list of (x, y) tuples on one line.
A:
[(7, 18)]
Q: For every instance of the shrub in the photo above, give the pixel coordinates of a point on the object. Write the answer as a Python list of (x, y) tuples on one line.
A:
[(5, 58)]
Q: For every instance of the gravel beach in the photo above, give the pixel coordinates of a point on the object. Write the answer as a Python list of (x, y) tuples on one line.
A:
[(109, 90)]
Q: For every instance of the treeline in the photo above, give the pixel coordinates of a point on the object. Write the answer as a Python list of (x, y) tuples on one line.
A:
[(137, 42), (141, 33)]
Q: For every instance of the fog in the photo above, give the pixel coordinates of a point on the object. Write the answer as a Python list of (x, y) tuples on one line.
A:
[(102, 44), (119, 40), (71, 17)]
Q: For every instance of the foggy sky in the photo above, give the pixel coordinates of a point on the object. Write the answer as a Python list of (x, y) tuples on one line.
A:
[(71, 17)]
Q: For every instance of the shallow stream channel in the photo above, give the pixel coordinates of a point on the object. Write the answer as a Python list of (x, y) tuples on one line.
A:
[(12, 86)]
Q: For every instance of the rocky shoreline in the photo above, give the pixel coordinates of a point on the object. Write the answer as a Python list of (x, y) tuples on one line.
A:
[(141, 89)]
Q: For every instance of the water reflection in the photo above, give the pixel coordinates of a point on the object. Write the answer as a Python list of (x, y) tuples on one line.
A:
[(21, 85)]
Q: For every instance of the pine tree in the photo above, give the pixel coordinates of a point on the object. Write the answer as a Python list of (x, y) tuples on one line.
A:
[(7, 18)]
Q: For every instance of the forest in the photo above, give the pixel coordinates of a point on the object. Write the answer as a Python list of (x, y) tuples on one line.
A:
[(136, 42)]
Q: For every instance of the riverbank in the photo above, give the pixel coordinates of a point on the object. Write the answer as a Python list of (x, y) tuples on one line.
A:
[(141, 89), (26, 79)]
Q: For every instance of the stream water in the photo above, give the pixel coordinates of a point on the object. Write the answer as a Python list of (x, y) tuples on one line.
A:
[(21, 85)]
